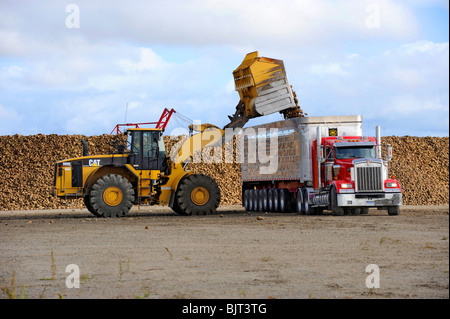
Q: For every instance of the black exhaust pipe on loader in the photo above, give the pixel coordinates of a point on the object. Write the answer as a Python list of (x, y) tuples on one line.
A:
[(85, 147)]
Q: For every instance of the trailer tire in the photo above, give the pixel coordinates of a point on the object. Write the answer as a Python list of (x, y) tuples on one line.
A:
[(255, 200), (198, 194), (263, 200), (276, 199), (259, 200), (284, 200), (245, 199), (250, 200), (335, 209), (270, 200), (111, 195), (299, 201)]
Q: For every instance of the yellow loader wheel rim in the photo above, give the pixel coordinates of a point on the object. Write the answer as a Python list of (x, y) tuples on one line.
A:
[(113, 196), (200, 196)]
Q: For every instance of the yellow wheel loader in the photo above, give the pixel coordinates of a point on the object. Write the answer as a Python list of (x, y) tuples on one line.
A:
[(142, 173), (138, 174)]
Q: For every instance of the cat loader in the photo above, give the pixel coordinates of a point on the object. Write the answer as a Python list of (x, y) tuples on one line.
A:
[(138, 174)]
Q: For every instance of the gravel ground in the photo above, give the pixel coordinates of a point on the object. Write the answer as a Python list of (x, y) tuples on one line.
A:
[(153, 253)]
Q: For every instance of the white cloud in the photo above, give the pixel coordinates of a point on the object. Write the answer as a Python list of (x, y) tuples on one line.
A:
[(148, 60)]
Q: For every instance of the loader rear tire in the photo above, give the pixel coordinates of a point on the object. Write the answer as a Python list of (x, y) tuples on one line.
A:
[(198, 194), (112, 195)]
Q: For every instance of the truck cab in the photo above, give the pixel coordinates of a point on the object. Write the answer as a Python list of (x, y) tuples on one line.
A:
[(355, 176)]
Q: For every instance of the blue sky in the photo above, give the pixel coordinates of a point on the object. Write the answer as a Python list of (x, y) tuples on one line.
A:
[(387, 60)]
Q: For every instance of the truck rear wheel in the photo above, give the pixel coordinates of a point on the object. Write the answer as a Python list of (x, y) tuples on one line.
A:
[(307, 205), (198, 194), (112, 195), (299, 201)]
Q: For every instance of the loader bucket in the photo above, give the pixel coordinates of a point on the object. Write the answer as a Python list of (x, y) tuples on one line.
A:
[(263, 86)]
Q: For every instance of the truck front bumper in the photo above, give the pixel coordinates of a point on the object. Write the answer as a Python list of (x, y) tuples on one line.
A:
[(369, 200)]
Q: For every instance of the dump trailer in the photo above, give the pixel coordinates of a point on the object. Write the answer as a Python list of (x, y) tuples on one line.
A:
[(312, 164)]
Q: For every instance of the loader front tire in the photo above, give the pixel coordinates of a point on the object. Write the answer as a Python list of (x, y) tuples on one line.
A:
[(112, 195), (197, 194)]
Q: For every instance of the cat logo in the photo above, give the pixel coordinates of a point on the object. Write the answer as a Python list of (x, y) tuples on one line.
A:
[(94, 162), (332, 132)]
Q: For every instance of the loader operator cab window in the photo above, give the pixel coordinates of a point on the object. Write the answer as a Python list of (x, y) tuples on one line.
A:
[(147, 150)]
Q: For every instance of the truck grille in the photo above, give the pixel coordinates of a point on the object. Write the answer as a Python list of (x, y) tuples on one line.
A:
[(369, 179)]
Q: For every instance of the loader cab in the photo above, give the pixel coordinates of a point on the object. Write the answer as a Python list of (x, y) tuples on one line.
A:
[(146, 149)]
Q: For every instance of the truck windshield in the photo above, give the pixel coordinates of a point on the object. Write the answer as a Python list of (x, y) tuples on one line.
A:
[(355, 152)]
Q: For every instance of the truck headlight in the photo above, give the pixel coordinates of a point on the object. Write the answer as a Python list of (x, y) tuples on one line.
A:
[(346, 185), (392, 185)]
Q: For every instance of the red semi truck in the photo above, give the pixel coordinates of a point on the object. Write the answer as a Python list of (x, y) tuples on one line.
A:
[(318, 163)]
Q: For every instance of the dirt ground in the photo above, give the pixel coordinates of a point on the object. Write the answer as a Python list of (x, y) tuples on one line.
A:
[(153, 253)]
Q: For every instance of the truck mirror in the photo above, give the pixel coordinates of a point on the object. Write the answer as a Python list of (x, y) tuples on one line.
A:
[(389, 153)]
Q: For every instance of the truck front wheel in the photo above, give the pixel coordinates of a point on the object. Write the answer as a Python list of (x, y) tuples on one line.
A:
[(393, 210), (335, 209)]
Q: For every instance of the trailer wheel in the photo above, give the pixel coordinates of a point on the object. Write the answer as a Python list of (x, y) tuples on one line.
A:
[(299, 201), (112, 195), (276, 199), (198, 194), (335, 209), (270, 200), (284, 200), (255, 200), (258, 200), (364, 210), (263, 200), (246, 199), (250, 200), (393, 210)]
